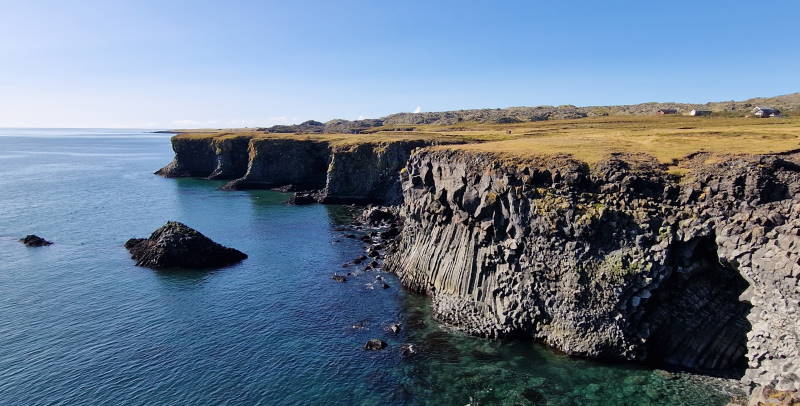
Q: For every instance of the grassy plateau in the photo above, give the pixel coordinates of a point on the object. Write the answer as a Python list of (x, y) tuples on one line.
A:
[(667, 138)]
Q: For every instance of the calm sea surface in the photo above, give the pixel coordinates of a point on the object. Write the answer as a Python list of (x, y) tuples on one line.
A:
[(81, 325)]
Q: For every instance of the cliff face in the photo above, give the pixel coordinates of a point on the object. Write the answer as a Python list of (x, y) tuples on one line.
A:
[(344, 173), (231, 157), (274, 163), (619, 260), (368, 172), (193, 157)]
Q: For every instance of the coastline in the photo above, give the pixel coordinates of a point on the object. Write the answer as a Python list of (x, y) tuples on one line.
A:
[(482, 226)]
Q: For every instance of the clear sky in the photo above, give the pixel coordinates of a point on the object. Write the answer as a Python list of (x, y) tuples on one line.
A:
[(166, 64)]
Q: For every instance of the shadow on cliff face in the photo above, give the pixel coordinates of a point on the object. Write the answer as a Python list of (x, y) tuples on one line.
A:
[(697, 321)]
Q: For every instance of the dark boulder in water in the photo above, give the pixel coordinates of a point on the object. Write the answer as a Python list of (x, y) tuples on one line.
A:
[(339, 278), (33, 240), (302, 198), (375, 344), (408, 350), (176, 245)]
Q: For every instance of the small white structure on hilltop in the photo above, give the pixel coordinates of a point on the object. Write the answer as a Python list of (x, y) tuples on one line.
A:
[(766, 112), (700, 113)]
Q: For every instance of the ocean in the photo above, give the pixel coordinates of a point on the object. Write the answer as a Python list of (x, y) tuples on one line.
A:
[(81, 325)]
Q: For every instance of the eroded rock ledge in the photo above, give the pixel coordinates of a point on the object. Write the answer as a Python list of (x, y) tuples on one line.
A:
[(620, 260), (349, 173)]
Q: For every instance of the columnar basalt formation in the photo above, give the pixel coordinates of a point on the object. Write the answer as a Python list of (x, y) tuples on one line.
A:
[(193, 157), (617, 260), (366, 172), (274, 163)]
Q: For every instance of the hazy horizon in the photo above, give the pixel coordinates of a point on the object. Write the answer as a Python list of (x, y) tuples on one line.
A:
[(154, 65)]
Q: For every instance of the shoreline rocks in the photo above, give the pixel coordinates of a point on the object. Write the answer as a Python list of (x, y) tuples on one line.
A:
[(33, 240), (176, 245), (375, 344)]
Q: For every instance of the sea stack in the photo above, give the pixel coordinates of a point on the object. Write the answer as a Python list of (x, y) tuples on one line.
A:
[(176, 245)]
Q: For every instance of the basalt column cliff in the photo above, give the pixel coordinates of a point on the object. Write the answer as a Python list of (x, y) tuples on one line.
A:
[(618, 260), (364, 172)]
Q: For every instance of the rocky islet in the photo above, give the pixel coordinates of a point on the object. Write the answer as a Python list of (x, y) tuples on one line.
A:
[(176, 245)]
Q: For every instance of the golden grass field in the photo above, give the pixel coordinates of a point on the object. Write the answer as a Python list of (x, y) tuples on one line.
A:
[(587, 139)]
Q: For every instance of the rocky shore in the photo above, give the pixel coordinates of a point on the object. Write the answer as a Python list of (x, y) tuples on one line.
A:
[(694, 267)]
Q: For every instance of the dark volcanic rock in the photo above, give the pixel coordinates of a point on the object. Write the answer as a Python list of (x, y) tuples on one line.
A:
[(616, 260), (33, 240), (339, 278), (408, 350), (302, 198), (375, 216), (176, 245), (375, 344)]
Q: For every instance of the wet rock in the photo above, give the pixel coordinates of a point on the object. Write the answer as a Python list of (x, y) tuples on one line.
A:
[(394, 328), (176, 245), (302, 198), (33, 240), (375, 216), (339, 278), (390, 233), (359, 260), (375, 344), (408, 350)]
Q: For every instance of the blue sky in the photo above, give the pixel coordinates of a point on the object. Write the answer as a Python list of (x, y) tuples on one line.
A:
[(166, 64)]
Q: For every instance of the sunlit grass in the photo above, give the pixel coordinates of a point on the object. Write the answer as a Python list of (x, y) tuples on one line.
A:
[(588, 139)]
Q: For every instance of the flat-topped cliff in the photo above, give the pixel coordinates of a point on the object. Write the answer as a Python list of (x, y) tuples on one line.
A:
[(673, 241), (344, 169)]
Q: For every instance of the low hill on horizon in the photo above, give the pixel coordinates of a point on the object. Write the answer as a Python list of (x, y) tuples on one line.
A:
[(509, 115)]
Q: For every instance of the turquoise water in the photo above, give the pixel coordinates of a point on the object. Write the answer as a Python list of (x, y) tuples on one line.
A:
[(80, 325)]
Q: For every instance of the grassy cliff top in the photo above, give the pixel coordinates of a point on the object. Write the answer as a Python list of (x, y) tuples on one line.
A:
[(587, 139), (666, 137)]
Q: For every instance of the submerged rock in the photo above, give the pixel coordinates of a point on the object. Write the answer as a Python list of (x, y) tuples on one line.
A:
[(339, 278), (34, 240), (375, 344), (176, 245)]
